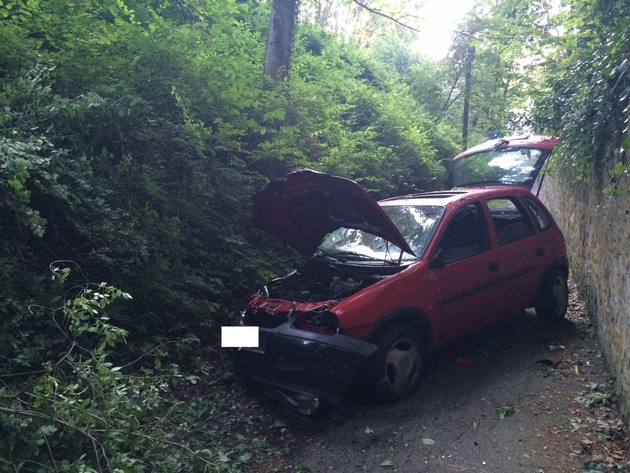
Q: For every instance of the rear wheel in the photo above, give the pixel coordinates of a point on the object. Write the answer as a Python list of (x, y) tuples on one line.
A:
[(553, 298), (394, 371)]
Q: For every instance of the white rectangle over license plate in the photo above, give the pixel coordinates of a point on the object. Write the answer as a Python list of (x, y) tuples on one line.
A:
[(239, 337)]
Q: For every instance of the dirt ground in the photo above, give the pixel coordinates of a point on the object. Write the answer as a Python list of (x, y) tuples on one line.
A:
[(492, 403)]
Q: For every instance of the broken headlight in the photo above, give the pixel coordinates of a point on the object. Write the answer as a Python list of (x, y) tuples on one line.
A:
[(320, 320)]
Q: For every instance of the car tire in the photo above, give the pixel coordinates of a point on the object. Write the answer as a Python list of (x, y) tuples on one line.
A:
[(394, 371), (553, 298)]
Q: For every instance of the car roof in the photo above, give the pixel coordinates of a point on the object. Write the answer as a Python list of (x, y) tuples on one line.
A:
[(443, 198)]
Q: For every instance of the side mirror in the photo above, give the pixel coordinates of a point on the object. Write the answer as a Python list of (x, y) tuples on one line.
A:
[(437, 260)]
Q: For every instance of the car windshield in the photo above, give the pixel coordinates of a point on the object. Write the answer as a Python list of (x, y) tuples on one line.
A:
[(516, 166), (416, 223)]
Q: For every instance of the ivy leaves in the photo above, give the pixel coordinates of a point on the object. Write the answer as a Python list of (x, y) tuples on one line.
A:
[(587, 102)]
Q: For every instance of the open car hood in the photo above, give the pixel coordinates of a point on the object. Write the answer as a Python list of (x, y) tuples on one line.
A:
[(304, 206), (516, 160)]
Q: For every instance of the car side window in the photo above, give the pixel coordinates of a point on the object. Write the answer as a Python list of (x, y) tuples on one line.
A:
[(509, 220), (541, 217), (466, 234)]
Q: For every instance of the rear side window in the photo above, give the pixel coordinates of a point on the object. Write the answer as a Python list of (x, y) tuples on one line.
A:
[(541, 217), (509, 220)]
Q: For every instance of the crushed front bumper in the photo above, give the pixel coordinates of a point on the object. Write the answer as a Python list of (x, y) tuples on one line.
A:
[(320, 366)]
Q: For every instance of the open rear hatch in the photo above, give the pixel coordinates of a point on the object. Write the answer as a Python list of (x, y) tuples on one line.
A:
[(516, 161)]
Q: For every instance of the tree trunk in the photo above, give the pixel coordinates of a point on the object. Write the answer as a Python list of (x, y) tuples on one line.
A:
[(467, 85), (280, 38)]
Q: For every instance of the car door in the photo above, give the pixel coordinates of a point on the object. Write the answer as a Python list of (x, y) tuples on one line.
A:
[(465, 276), (520, 252)]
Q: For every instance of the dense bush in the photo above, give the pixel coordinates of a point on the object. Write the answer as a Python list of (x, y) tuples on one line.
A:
[(135, 136), (132, 137)]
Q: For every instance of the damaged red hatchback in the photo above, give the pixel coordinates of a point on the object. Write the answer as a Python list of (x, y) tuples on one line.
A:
[(388, 282)]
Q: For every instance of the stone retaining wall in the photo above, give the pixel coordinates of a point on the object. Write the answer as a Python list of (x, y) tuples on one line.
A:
[(598, 243)]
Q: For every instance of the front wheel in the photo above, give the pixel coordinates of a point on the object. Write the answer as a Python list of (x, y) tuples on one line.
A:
[(394, 371), (553, 298)]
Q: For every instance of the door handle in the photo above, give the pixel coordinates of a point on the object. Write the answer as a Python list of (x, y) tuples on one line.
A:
[(493, 266), (540, 251)]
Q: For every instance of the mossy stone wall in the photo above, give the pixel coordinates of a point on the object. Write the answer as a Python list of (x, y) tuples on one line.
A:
[(598, 243)]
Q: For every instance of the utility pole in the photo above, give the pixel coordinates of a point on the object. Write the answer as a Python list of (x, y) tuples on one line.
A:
[(470, 58)]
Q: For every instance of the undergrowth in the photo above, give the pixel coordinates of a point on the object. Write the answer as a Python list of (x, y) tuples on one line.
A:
[(79, 411)]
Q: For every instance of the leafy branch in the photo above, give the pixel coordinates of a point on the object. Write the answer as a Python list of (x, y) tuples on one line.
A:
[(378, 12)]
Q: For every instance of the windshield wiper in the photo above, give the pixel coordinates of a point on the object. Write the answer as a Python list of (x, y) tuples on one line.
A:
[(323, 253), (349, 255)]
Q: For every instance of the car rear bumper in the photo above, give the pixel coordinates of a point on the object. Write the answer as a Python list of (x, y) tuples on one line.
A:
[(320, 366)]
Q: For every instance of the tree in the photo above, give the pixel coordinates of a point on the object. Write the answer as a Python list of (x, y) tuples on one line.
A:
[(493, 57), (280, 38), (282, 26)]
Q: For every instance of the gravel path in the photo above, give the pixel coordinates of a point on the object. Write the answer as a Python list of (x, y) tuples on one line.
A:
[(484, 406)]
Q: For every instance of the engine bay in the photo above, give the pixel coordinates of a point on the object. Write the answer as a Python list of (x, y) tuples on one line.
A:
[(308, 294), (317, 281)]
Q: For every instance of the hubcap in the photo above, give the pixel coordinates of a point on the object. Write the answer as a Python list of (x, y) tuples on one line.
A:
[(402, 364)]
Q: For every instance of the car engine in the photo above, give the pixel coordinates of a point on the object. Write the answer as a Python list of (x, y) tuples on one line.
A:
[(308, 294)]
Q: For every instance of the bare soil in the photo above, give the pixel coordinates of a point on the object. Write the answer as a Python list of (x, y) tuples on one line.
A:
[(492, 403)]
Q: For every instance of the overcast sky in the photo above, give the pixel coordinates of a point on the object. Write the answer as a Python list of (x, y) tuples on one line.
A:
[(440, 19)]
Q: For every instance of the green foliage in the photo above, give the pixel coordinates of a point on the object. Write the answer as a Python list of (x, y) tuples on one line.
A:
[(135, 141), (349, 114), (26, 337), (586, 101), (132, 137), (505, 411), (28, 159), (77, 410), (75, 401), (117, 171), (596, 395), (510, 39)]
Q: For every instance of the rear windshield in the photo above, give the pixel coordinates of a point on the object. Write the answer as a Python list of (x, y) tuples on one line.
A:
[(516, 166)]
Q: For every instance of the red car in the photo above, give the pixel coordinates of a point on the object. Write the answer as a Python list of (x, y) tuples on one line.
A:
[(388, 282)]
